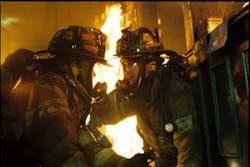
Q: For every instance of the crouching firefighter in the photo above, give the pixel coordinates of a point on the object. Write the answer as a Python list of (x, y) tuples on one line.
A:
[(43, 118), (158, 96)]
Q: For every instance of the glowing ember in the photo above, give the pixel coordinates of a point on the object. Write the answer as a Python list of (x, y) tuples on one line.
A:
[(126, 142)]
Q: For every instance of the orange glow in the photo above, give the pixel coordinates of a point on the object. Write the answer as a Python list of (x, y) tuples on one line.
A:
[(126, 141), (112, 28), (124, 137)]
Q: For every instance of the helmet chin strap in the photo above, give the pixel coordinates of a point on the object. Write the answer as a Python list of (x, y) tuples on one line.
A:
[(138, 80), (138, 83), (81, 89)]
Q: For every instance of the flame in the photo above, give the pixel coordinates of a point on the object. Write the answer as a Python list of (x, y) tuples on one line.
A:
[(123, 135), (126, 141), (112, 28)]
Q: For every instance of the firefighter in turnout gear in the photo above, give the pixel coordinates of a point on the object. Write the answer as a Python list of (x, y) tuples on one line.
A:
[(45, 115), (159, 97)]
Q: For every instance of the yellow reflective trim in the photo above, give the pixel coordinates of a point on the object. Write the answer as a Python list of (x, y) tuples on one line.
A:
[(48, 106), (77, 160), (85, 137), (29, 118), (102, 157), (184, 124)]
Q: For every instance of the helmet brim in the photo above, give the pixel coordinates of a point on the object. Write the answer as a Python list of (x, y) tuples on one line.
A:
[(75, 55), (92, 57), (169, 53)]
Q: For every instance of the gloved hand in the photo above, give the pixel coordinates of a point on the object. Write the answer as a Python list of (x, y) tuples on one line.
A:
[(100, 89), (124, 88), (99, 92), (138, 160), (123, 84)]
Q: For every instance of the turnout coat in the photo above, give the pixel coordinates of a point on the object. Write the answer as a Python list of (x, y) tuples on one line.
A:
[(43, 124), (162, 100)]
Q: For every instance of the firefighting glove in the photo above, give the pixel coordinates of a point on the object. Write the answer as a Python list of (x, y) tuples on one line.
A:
[(124, 88), (100, 89), (100, 95), (138, 160)]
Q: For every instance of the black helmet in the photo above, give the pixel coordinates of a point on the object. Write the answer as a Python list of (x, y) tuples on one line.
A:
[(138, 42), (79, 42), (142, 44)]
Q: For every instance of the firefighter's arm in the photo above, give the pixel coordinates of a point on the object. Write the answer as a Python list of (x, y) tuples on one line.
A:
[(61, 141), (102, 110), (107, 109), (187, 133), (49, 124), (104, 113), (113, 107)]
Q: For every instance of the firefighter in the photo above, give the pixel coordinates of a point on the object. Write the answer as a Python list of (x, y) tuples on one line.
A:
[(46, 111), (159, 96)]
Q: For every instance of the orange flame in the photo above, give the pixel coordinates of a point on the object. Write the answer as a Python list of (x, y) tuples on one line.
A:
[(124, 137), (112, 28)]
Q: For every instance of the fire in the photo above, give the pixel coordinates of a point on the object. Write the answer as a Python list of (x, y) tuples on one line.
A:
[(126, 141), (124, 137), (112, 28)]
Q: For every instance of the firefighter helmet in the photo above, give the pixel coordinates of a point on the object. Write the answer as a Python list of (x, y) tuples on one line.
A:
[(140, 43), (79, 42)]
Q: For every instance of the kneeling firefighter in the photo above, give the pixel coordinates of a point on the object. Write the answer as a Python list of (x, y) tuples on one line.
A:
[(160, 98), (44, 115)]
